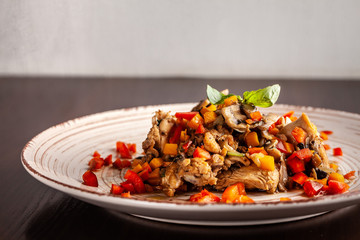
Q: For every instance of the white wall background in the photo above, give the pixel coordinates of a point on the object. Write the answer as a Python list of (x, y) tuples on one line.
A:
[(244, 38)]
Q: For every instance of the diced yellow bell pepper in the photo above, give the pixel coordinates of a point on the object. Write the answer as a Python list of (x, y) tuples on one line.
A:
[(195, 121), (156, 163), (230, 100), (334, 166), (137, 168), (252, 139), (267, 163), (170, 149), (211, 108), (336, 176), (209, 117)]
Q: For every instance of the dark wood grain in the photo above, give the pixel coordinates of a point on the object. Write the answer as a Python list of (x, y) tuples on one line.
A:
[(31, 210)]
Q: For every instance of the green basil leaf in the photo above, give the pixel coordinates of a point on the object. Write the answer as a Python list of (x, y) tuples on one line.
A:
[(214, 96), (265, 97)]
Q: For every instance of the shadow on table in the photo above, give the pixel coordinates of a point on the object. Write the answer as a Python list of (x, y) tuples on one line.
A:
[(73, 219)]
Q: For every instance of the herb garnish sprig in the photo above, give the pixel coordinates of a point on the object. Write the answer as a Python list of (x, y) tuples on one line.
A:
[(265, 97)]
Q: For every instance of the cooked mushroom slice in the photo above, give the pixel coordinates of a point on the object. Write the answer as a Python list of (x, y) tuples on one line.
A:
[(216, 163), (234, 118), (152, 142), (251, 176), (268, 120), (247, 109), (315, 141), (164, 127)]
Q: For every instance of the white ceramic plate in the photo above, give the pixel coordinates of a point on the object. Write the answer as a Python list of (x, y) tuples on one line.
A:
[(58, 157)]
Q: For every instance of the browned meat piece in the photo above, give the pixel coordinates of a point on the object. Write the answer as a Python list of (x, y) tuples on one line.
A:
[(172, 179), (251, 176), (197, 171), (314, 139), (210, 143)]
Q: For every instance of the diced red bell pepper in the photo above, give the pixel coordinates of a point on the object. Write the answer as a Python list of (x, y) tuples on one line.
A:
[(288, 114), (200, 129), (327, 132), (336, 187), (338, 151), (96, 163), (120, 164), (116, 189), (204, 197), (302, 154), (131, 147), (201, 153), (176, 136), (135, 180), (144, 174), (186, 146), (300, 178), (349, 175), (128, 186), (108, 160), (312, 188), (90, 179), (296, 165), (186, 115), (124, 151), (96, 154), (299, 134), (256, 116)]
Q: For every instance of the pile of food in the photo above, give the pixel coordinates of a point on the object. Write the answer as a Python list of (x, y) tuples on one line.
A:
[(225, 144)]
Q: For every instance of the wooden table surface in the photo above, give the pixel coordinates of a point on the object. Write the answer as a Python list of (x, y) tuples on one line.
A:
[(32, 210)]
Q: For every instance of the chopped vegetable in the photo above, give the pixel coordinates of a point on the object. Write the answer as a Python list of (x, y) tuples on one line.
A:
[(338, 151), (257, 150), (204, 197), (156, 163), (137, 182), (176, 136), (285, 199), (267, 163), (252, 139), (235, 154), (90, 179), (336, 187), (96, 163), (300, 178), (296, 165), (186, 115), (209, 117), (230, 100), (336, 176), (303, 154), (256, 116), (349, 175), (235, 194), (116, 189), (299, 134), (195, 121), (170, 149), (108, 160), (201, 153), (131, 147), (312, 188), (124, 151), (200, 129), (96, 154)]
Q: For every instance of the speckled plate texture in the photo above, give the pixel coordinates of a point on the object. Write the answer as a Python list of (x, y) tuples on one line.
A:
[(59, 156)]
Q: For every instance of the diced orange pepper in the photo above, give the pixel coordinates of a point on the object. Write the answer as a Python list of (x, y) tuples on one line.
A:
[(200, 130), (299, 134), (274, 131), (252, 139), (256, 116), (327, 146), (324, 136), (230, 100), (170, 149), (156, 163), (195, 121), (209, 117), (201, 153), (336, 176), (232, 192), (155, 173), (137, 168), (257, 150), (334, 166), (211, 108), (288, 114), (267, 163), (146, 166), (285, 199), (183, 136), (126, 194)]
